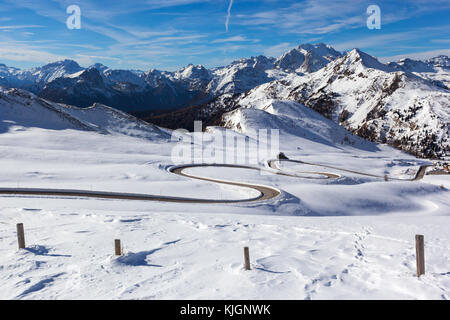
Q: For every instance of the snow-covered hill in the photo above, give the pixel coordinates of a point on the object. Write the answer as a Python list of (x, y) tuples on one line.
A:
[(20, 110), (292, 119)]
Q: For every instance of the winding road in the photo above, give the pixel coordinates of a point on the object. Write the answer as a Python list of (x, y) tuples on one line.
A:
[(265, 192), (419, 175)]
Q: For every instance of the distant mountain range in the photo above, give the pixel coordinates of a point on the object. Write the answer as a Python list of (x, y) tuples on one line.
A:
[(134, 90), (404, 103)]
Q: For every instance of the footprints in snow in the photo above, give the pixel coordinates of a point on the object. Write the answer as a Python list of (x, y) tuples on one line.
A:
[(328, 281)]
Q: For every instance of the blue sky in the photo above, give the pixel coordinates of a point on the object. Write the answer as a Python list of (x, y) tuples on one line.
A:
[(168, 34)]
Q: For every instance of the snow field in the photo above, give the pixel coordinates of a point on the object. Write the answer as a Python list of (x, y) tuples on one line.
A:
[(200, 256)]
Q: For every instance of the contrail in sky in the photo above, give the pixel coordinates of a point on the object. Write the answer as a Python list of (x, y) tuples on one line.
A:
[(229, 15)]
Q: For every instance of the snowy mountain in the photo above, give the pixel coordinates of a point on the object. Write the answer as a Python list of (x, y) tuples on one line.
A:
[(241, 75), (134, 90), (307, 58), (436, 70), (53, 71), (36, 78), (20, 110), (404, 103), (370, 99), (409, 65)]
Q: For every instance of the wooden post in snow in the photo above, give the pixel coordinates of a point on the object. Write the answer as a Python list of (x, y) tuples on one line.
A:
[(246, 259), (118, 247), (20, 236), (420, 255)]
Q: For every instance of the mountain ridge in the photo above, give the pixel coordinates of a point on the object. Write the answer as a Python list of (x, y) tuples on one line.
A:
[(135, 90), (402, 103)]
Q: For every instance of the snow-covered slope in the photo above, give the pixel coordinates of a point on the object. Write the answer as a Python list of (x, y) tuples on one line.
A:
[(115, 122), (20, 110), (291, 119), (370, 99), (241, 75)]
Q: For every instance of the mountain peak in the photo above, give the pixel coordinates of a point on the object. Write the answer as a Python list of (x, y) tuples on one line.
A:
[(66, 63), (307, 57), (320, 48), (192, 72), (100, 67), (356, 56)]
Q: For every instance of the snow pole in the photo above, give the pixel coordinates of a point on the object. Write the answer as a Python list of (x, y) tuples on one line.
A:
[(20, 236), (118, 247), (420, 255), (246, 259)]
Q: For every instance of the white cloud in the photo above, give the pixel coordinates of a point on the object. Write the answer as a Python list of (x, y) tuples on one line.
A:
[(20, 27)]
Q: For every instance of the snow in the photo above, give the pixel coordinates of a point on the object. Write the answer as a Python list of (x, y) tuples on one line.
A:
[(345, 238), (199, 255)]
